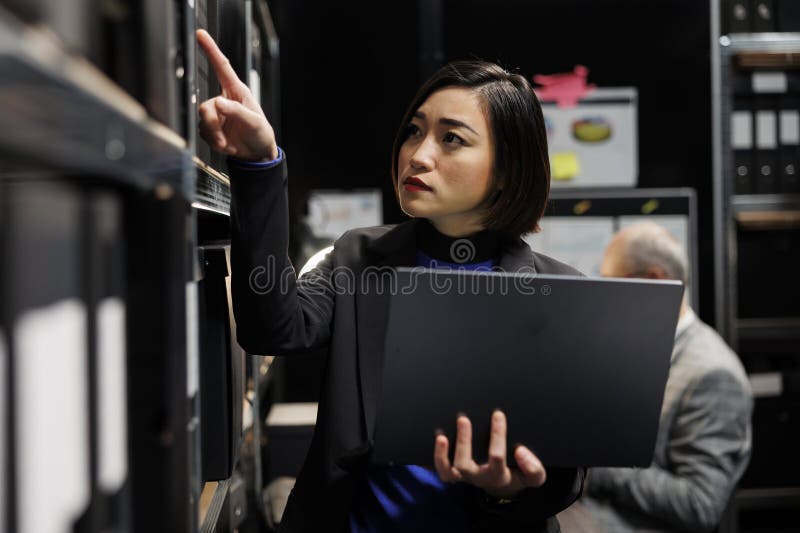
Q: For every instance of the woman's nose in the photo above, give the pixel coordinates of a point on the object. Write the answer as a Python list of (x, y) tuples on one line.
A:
[(423, 157)]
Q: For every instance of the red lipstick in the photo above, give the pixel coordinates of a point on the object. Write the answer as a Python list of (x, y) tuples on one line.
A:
[(413, 184)]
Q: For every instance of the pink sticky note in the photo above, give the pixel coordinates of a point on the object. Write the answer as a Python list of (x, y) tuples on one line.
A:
[(565, 89)]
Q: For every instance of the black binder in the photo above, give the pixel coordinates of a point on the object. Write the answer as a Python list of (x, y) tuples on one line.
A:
[(110, 509), (226, 21), (742, 145), (6, 382), (735, 16), (787, 15), (222, 367), (73, 21), (789, 125), (762, 15), (766, 175), (45, 305)]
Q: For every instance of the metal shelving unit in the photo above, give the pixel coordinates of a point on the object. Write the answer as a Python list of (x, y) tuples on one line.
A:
[(755, 215), (61, 112), (68, 136), (745, 51)]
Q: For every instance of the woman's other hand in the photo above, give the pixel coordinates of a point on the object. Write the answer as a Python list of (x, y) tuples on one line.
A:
[(234, 123), (494, 477)]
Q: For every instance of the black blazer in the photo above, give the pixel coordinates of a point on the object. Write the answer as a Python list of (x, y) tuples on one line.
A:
[(277, 315)]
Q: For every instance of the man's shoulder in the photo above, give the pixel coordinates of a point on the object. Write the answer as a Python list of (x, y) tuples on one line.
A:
[(705, 352), (548, 265)]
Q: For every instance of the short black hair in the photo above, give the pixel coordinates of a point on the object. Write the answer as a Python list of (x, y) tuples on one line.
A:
[(521, 166)]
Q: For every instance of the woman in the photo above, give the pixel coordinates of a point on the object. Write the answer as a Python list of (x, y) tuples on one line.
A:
[(470, 163)]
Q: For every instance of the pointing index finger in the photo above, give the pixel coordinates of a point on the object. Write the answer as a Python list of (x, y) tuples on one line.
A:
[(225, 73)]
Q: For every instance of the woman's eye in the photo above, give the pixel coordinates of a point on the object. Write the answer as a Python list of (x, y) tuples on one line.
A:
[(412, 131), (451, 137)]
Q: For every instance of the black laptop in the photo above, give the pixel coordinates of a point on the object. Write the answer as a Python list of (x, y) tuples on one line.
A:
[(578, 365)]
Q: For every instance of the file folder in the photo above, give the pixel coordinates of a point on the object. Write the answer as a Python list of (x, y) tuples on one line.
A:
[(5, 428), (735, 16), (222, 367), (106, 265), (766, 176), (789, 125), (787, 17), (6, 434), (48, 322), (742, 146), (762, 15)]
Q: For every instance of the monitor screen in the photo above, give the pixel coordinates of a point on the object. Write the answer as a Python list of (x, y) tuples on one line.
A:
[(578, 225)]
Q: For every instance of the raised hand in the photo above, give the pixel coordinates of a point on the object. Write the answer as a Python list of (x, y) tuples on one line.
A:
[(234, 123), (494, 477)]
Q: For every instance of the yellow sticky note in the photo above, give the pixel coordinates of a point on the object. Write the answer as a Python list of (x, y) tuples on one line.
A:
[(650, 206), (564, 166), (582, 207)]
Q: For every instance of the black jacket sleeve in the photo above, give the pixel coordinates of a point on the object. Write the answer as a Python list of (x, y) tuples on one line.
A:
[(275, 314)]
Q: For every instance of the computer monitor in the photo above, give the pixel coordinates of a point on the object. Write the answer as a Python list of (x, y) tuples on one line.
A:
[(579, 224)]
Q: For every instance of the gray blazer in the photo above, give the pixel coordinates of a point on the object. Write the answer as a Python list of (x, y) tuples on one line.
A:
[(702, 448), (279, 315)]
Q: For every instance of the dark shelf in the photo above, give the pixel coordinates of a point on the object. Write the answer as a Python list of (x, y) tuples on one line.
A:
[(63, 113), (768, 497), (768, 328), (741, 203), (768, 60), (768, 45)]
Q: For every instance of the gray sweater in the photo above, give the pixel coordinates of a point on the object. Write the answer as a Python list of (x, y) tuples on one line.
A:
[(702, 448)]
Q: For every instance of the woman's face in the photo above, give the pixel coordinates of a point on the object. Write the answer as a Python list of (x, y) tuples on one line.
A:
[(444, 168)]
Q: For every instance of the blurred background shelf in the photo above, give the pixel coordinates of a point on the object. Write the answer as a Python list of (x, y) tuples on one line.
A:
[(60, 111), (768, 328)]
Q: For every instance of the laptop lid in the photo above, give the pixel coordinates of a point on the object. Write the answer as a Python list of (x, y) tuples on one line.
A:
[(578, 365)]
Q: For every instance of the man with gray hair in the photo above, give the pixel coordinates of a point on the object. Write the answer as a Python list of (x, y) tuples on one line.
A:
[(703, 443)]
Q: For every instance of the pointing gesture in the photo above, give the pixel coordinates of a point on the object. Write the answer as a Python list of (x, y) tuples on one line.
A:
[(233, 123)]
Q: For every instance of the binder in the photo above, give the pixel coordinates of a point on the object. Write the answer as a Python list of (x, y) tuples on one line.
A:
[(789, 137), (73, 21), (742, 145), (5, 430), (222, 367), (735, 16), (105, 273), (142, 48), (156, 231), (741, 82), (792, 81), (766, 175), (47, 316), (6, 424), (787, 15), (762, 15), (769, 82)]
